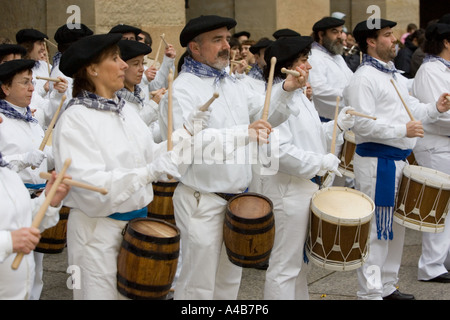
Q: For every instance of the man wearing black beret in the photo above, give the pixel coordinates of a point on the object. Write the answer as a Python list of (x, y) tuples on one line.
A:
[(285, 33), (255, 77), (201, 196), (242, 36), (433, 151), (329, 74), (128, 32), (382, 147), (11, 52), (64, 37)]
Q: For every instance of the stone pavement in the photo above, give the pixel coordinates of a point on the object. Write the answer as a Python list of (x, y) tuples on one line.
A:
[(323, 284)]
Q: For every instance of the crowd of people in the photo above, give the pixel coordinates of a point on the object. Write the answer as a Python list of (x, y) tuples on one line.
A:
[(114, 115)]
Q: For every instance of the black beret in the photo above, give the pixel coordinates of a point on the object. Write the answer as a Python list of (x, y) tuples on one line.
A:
[(64, 35), (81, 52), (365, 27), (203, 24), (437, 31), (445, 18), (123, 28), (261, 44), (285, 33), (10, 68), (327, 23), (242, 33), (7, 48), (286, 48), (130, 49), (32, 35)]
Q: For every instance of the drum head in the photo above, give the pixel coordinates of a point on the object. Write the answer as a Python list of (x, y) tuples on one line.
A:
[(342, 205), (350, 136), (250, 206), (154, 228), (427, 176)]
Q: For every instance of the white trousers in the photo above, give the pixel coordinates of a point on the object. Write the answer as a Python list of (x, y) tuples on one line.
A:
[(38, 283), (93, 245), (286, 276), (435, 258), (206, 272), (378, 276)]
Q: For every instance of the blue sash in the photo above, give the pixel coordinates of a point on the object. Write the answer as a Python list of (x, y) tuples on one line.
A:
[(385, 184), (127, 216), (35, 186)]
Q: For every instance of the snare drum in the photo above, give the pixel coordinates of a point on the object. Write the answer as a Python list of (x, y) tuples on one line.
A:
[(339, 228), (422, 201), (347, 154), (249, 229), (148, 259)]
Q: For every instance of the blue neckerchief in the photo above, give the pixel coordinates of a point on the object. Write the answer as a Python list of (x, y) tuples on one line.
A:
[(12, 113), (133, 97), (256, 73), (93, 101), (385, 185), (431, 58), (371, 61), (3, 163), (56, 59), (127, 216), (204, 71)]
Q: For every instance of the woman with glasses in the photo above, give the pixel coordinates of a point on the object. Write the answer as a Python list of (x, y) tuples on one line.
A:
[(21, 136)]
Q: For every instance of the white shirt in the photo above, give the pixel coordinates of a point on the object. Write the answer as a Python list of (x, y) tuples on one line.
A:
[(431, 80), (18, 137), (18, 210), (110, 151), (371, 92), (328, 78), (231, 114), (305, 140)]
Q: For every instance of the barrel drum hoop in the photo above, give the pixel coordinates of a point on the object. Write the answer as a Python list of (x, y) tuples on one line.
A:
[(150, 239), (249, 231), (140, 287), (147, 253)]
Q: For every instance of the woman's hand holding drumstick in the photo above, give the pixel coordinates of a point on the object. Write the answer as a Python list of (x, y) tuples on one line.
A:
[(296, 79), (54, 192)]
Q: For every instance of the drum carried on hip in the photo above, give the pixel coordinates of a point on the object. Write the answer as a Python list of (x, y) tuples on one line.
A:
[(347, 154), (53, 240), (422, 201), (148, 259), (249, 229), (339, 228), (161, 206)]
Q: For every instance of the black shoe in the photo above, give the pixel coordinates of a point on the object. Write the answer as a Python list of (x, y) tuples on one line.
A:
[(443, 278), (397, 295)]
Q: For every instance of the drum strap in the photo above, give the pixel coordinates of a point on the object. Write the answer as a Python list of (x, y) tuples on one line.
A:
[(228, 196), (385, 184)]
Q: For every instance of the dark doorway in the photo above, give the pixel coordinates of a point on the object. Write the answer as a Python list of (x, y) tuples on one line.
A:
[(432, 9)]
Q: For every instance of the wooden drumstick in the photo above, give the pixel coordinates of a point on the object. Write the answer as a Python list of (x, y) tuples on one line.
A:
[(48, 58), (447, 97), (159, 49), (41, 213), (404, 104), (51, 43), (356, 113), (265, 114), (73, 183), (52, 124), (163, 39), (333, 141), (292, 72), (170, 111), (205, 107), (49, 130), (48, 79)]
